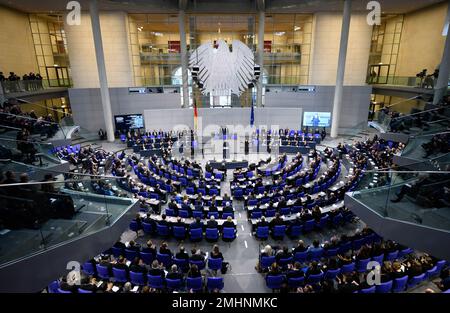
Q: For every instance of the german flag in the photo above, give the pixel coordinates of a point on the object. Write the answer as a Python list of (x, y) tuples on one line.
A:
[(195, 114)]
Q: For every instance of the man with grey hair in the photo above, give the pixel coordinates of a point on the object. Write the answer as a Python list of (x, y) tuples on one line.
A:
[(174, 274)]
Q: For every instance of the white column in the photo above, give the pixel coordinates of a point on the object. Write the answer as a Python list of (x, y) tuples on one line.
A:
[(260, 56), (341, 68), (184, 58), (441, 87), (100, 56)]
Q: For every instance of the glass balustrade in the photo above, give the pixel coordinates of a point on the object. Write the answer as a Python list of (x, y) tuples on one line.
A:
[(420, 198), (37, 216)]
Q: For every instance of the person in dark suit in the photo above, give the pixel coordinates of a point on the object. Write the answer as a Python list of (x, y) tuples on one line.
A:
[(212, 223), (179, 223), (163, 220), (120, 265), (295, 271), (262, 222), (174, 274), (197, 224), (228, 223), (91, 285), (156, 270), (196, 255), (150, 248), (164, 249), (276, 221), (182, 254), (138, 266)]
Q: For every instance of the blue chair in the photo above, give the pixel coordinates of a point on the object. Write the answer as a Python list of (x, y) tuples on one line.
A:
[(165, 259), (120, 275), (284, 262), (433, 272), (194, 283), (200, 264), (155, 281), (147, 257), (183, 264), (215, 264), (308, 226), (337, 219), (368, 290), (238, 193), (344, 247), (315, 278), (102, 271), (88, 268), (131, 254), (440, 265), (285, 211), (256, 214), (190, 190), (331, 252), (134, 226), (214, 283), (148, 229), (357, 244), (414, 281), (301, 256), (116, 251), (267, 261), (212, 234), (228, 234), (59, 290), (384, 287), (315, 254), (270, 212), (404, 252), (392, 256), (378, 258), (295, 282), (183, 213), (197, 213), (323, 222), (274, 281), (279, 231), (137, 278), (361, 265), (347, 268), (262, 232), (295, 231), (80, 290), (215, 214), (163, 230), (174, 284), (227, 214), (400, 284), (331, 274), (196, 234), (53, 287), (179, 232)]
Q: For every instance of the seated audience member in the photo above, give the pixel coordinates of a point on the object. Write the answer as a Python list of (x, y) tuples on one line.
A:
[(215, 253), (164, 249), (229, 223), (212, 223), (174, 274), (295, 271), (156, 269), (182, 254), (194, 271)]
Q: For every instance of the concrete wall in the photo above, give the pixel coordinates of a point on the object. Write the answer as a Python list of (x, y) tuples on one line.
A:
[(87, 108), (325, 49), (355, 103), (88, 112), (16, 43), (210, 120), (422, 43), (114, 26)]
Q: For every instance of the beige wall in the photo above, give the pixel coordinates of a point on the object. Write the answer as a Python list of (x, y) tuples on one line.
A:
[(116, 49), (325, 49), (422, 43), (16, 44)]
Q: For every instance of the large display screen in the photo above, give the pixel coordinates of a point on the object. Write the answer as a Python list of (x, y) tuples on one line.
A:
[(131, 121), (317, 119)]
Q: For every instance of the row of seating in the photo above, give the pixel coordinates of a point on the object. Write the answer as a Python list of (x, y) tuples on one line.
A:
[(180, 233)]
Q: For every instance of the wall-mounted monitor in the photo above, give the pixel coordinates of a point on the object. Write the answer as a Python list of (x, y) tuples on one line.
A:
[(317, 119), (130, 121)]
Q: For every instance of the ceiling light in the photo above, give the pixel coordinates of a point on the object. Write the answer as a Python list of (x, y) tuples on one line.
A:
[(296, 28), (279, 33)]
